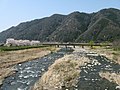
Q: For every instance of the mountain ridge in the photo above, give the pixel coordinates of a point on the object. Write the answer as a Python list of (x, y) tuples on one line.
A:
[(100, 26)]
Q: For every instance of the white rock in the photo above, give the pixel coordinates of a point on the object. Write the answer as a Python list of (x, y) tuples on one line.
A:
[(21, 71), (28, 68), (20, 64), (30, 71), (43, 69), (26, 76), (12, 83), (19, 89), (21, 81), (32, 75), (86, 79), (89, 65), (28, 83), (117, 87), (85, 71), (99, 63), (21, 75)]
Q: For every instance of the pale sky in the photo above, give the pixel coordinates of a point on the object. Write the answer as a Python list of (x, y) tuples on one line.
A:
[(13, 12)]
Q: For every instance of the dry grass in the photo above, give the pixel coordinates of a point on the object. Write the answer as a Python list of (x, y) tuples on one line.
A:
[(109, 53), (10, 58), (13, 57), (112, 77), (116, 57), (5, 73), (64, 72)]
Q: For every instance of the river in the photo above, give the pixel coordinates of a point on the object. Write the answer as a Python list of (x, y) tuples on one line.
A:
[(29, 72)]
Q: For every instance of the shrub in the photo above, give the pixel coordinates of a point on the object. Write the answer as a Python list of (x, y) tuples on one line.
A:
[(116, 45)]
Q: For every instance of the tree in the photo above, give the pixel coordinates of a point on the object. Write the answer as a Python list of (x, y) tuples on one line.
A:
[(91, 43), (116, 44)]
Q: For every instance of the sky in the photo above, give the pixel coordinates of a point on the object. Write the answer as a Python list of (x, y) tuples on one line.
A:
[(13, 12)]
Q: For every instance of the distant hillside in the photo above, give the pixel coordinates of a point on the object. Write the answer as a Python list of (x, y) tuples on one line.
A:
[(103, 25)]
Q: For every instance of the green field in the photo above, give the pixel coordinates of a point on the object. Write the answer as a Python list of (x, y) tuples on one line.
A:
[(13, 48)]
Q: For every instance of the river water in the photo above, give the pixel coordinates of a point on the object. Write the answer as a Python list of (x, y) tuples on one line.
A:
[(89, 76), (29, 72)]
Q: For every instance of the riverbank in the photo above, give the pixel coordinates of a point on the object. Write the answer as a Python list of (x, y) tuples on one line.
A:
[(64, 73), (9, 58), (107, 52), (113, 56), (82, 69)]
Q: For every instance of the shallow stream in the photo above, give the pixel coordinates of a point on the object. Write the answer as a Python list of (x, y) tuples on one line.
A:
[(29, 72)]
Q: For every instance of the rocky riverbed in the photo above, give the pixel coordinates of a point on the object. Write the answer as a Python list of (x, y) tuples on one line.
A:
[(29, 72), (91, 77), (93, 73), (80, 70), (8, 59)]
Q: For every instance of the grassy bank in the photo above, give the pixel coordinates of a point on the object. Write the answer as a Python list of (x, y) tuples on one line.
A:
[(112, 77), (63, 74), (13, 48), (10, 56), (111, 53)]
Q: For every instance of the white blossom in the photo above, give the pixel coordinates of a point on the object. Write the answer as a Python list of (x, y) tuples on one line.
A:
[(35, 42), (13, 42)]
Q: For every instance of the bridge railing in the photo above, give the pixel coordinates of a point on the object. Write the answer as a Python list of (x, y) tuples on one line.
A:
[(76, 44)]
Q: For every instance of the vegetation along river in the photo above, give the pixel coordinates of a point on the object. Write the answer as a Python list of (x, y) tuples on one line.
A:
[(29, 72), (89, 79)]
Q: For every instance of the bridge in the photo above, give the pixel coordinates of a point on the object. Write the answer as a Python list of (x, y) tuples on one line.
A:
[(76, 44)]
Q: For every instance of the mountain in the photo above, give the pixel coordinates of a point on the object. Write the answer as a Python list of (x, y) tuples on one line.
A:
[(73, 25), (103, 25)]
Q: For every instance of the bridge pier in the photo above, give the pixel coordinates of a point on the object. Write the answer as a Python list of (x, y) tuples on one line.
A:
[(73, 46), (91, 46), (58, 45), (82, 46), (65, 46)]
